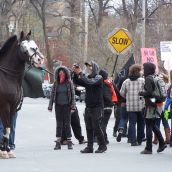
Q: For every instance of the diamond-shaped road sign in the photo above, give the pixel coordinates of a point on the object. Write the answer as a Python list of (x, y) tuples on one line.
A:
[(119, 41)]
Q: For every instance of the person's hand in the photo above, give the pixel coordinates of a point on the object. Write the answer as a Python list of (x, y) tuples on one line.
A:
[(76, 70)]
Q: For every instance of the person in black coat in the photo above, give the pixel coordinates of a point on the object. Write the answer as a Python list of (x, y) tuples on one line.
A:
[(93, 84), (108, 103)]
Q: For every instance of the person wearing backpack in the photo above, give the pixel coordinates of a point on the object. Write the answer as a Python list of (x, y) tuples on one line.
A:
[(165, 113), (110, 98), (154, 96)]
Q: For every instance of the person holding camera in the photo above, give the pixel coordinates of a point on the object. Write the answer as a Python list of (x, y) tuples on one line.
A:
[(93, 84)]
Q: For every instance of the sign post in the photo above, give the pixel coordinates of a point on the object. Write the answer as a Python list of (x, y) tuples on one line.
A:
[(119, 41)]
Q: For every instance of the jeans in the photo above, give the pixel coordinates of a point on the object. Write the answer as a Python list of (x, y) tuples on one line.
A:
[(136, 117), (151, 125), (12, 131), (123, 117)]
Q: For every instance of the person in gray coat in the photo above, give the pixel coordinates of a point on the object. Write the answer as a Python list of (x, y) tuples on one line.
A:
[(63, 96)]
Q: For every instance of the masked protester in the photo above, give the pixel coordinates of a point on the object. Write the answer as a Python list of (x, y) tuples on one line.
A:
[(93, 84), (63, 97)]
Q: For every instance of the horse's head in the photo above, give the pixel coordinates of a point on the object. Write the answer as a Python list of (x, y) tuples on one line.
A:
[(31, 50)]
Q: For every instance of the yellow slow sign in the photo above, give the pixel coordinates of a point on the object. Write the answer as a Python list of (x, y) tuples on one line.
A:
[(120, 40)]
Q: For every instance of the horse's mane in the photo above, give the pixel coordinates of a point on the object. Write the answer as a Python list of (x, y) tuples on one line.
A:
[(7, 45)]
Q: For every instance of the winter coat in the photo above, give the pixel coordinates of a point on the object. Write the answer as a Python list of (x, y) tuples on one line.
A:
[(70, 88), (107, 92), (93, 84), (130, 90), (153, 109)]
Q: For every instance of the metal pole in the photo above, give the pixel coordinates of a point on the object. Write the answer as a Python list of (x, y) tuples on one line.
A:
[(143, 23), (116, 60)]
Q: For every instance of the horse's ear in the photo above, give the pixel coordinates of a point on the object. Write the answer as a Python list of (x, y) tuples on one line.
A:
[(28, 35), (21, 36)]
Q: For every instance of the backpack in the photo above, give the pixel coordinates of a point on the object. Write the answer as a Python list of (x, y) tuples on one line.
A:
[(159, 92), (169, 91)]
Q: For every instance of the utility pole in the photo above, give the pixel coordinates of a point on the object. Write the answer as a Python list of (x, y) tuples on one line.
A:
[(143, 23)]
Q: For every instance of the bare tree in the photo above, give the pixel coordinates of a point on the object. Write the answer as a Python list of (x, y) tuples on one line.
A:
[(40, 7)]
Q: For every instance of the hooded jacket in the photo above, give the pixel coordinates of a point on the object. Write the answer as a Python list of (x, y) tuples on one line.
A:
[(149, 70), (107, 91), (93, 84), (69, 84)]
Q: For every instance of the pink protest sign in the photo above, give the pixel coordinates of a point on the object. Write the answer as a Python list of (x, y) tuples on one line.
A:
[(149, 56)]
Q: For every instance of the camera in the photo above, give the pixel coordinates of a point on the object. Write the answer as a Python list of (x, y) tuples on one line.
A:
[(76, 65)]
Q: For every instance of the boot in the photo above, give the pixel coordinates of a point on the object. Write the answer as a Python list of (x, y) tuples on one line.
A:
[(145, 151), (118, 138), (57, 146), (155, 141), (167, 135), (161, 148), (69, 144), (101, 149), (87, 150)]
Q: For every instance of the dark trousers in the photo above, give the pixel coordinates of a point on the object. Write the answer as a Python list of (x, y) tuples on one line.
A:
[(151, 125), (76, 126), (117, 118), (136, 118), (93, 117), (63, 120), (105, 120)]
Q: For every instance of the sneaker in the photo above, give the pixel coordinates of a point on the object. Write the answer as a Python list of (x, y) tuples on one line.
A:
[(101, 149), (146, 152), (87, 150), (69, 145), (57, 146), (118, 138), (161, 148)]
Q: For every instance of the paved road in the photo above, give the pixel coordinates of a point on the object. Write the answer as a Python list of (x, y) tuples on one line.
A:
[(34, 140)]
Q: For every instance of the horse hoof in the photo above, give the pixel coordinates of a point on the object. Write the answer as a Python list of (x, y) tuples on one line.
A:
[(4, 155), (11, 154)]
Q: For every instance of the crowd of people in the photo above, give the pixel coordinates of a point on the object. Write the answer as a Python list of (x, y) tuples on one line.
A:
[(140, 102)]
